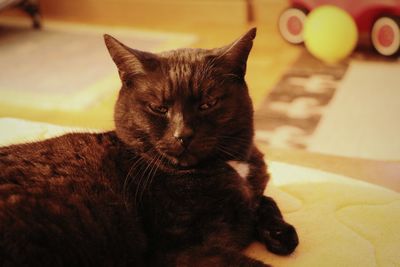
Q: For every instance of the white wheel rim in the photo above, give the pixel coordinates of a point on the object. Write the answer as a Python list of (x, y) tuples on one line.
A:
[(298, 17), (386, 45)]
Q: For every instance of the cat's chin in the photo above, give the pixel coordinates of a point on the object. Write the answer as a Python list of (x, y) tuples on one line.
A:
[(182, 162), (186, 165)]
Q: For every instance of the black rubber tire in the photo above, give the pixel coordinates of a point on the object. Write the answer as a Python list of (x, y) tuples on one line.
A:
[(394, 24), (292, 12)]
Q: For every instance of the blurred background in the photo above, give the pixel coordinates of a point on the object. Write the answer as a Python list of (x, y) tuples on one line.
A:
[(331, 104), (162, 25)]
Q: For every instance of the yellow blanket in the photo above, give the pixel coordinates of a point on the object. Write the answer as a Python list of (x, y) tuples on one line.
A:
[(340, 221)]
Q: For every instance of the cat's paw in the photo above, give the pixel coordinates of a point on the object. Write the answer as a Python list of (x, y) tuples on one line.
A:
[(257, 264), (280, 238), (260, 264), (251, 263)]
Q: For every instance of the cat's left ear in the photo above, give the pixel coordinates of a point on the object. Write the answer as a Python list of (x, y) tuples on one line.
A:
[(130, 62), (234, 56)]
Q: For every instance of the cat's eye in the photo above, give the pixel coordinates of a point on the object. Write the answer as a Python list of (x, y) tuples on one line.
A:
[(158, 109), (209, 104)]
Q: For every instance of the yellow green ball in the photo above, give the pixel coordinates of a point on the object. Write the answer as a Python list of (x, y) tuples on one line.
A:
[(330, 33)]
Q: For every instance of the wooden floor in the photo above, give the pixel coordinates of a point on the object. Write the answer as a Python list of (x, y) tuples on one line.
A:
[(215, 23)]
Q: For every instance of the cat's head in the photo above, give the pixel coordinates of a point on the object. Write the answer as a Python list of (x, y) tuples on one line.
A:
[(187, 106)]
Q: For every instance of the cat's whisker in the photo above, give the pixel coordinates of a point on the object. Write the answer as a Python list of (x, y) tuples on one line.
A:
[(233, 151), (224, 151), (152, 173), (129, 171), (126, 184), (227, 152), (139, 178), (234, 142), (142, 178), (160, 162), (128, 179), (147, 177), (234, 138)]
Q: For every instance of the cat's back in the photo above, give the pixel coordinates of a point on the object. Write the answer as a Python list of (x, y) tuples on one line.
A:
[(69, 155), (56, 172), (60, 206)]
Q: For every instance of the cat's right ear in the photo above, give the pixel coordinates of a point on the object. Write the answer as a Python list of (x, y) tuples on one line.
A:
[(233, 57), (130, 62)]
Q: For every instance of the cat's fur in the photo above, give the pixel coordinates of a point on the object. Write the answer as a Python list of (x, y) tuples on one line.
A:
[(178, 183)]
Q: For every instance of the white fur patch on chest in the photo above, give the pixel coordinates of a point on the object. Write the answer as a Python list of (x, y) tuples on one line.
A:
[(241, 167)]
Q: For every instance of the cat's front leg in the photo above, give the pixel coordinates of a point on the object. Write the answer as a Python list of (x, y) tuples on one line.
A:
[(278, 236), (204, 256)]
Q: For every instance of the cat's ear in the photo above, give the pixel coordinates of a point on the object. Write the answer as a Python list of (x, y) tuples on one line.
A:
[(234, 56), (130, 62)]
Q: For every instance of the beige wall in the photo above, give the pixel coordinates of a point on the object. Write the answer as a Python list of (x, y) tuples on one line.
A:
[(146, 12), (162, 14)]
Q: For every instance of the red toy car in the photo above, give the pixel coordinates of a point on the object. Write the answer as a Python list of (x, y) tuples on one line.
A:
[(377, 19)]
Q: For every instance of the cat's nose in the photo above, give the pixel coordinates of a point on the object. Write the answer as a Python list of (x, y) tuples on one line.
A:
[(185, 141), (184, 137)]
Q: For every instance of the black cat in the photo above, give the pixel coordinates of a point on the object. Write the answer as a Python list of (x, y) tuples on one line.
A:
[(178, 183)]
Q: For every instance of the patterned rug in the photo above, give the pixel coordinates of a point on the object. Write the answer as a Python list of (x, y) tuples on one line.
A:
[(291, 114), (66, 67)]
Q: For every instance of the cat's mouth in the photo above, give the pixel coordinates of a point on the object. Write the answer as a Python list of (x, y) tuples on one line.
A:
[(183, 161), (187, 163)]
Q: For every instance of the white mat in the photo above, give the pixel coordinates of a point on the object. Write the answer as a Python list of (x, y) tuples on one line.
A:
[(363, 119)]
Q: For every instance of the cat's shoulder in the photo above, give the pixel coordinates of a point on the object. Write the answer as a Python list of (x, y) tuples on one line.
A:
[(66, 141), (70, 155), (82, 140), (71, 147)]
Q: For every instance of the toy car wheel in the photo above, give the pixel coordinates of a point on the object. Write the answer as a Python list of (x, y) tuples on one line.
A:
[(385, 36), (291, 23)]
